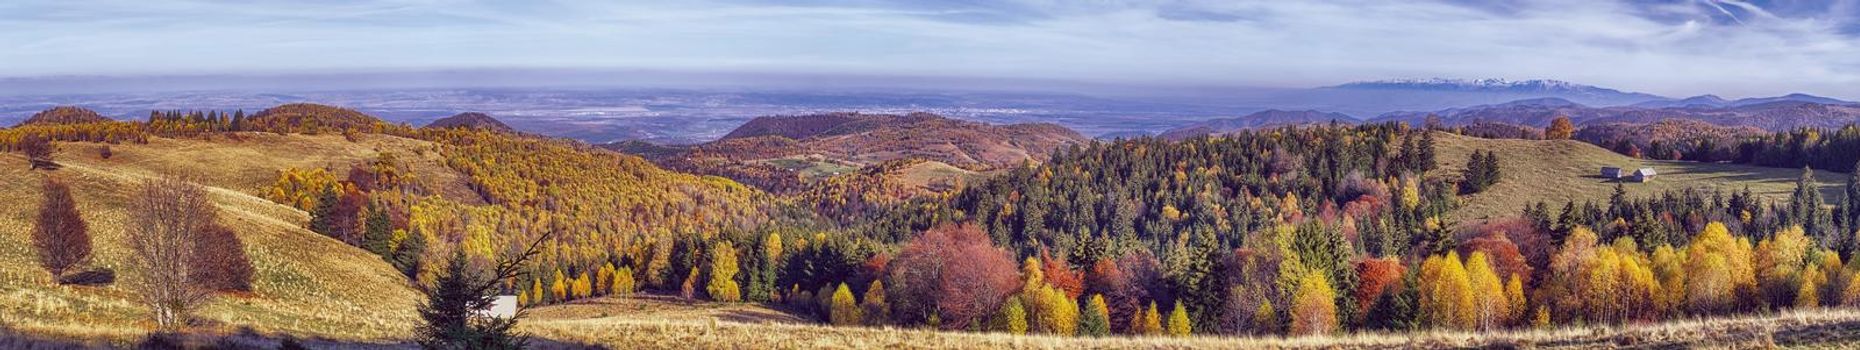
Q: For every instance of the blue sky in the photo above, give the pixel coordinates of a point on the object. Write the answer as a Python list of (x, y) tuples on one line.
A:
[(1676, 48)]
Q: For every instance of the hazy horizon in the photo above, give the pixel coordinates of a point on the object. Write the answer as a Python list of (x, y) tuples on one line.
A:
[(1670, 48)]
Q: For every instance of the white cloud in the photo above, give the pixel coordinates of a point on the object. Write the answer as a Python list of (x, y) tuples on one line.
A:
[(1728, 47)]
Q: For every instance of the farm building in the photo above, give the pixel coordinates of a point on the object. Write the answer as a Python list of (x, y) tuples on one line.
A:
[(1644, 175), (504, 306), (1609, 172)]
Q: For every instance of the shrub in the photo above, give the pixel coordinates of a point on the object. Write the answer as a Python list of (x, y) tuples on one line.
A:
[(60, 234)]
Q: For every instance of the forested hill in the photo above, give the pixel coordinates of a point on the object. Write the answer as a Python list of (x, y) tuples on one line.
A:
[(789, 153), (65, 115), (471, 120)]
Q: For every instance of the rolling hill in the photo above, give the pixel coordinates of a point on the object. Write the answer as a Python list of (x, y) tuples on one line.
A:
[(1560, 170), (471, 120), (784, 153), (306, 284), (65, 115)]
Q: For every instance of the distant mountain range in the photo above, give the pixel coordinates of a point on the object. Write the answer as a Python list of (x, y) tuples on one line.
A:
[(1774, 113), (1713, 101)]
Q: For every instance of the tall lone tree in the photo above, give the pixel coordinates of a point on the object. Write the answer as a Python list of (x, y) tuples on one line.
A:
[(1560, 129), (166, 218), (60, 234)]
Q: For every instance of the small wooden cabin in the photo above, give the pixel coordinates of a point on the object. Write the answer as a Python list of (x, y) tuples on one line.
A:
[(1644, 175), (1609, 172)]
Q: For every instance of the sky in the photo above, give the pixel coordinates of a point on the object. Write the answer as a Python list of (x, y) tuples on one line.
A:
[(1675, 48)]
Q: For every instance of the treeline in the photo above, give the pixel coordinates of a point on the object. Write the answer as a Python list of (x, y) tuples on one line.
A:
[(1819, 148)]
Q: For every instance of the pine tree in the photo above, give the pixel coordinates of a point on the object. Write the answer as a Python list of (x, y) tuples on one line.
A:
[(407, 257), (460, 294), (1094, 320), (1427, 152), (378, 234)]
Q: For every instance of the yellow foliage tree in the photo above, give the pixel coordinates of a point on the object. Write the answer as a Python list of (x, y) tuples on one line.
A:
[(536, 291), (722, 286), (1179, 325), (1491, 309), (559, 286), (1447, 293), (623, 282), (1515, 300), (1721, 270), (1152, 321), (877, 312), (844, 311), (1314, 307), (1808, 295)]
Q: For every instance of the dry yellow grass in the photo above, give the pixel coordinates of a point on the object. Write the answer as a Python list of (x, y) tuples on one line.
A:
[(307, 285), (1556, 171), (639, 324)]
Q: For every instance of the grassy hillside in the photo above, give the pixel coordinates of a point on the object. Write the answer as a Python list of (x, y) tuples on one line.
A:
[(306, 284), (1556, 171), (662, 323)]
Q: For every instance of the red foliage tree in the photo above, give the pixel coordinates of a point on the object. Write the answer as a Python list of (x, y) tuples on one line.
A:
[(953, 271), (1503, 255), (60, 235), (1375, 276), (1061, 276)]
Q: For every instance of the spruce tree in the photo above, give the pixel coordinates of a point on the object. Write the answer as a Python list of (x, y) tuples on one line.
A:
[(453, 314), (378, 234)]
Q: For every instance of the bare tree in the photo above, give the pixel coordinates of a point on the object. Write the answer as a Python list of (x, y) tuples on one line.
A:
[(166, 216), (60, 235)]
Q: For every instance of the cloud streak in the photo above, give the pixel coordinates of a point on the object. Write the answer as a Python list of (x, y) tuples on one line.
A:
[(1729, 47)]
